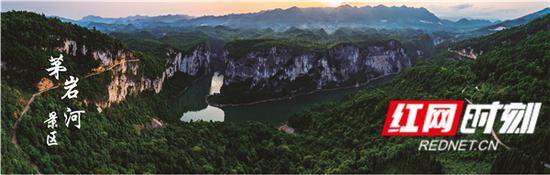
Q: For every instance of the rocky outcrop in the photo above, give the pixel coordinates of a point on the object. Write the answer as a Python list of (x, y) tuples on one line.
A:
[(195, 63), (279, 69), (467, 52), (126, 78)]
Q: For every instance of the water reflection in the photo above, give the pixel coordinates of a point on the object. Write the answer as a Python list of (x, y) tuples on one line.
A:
[(210, 113), (193, 105)]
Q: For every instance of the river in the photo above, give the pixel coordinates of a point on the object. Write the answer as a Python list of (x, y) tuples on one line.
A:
[(192, 103)]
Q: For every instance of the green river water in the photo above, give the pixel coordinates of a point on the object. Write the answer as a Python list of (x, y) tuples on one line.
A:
[(192, 106)]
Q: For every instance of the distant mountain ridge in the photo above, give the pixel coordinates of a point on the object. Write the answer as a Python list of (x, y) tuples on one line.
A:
[(136, 18), (328, 18), (331, 18), (512, 23), (473, 22), (130, 22)]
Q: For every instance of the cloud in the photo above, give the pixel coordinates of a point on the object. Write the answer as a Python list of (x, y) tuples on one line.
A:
[(461, 6)]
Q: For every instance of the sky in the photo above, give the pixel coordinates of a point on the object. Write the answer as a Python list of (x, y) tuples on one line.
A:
[(446, 9)]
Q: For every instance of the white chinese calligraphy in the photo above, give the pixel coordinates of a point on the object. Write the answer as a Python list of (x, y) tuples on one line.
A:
[(71, 92), (56, 66), (52, 120), (50, 139), (74, 116), (69, 86)]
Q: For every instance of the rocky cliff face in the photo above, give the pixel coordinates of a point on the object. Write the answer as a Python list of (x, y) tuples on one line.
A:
[(126, 78), (467, 52), (194, 64), (277, 69)]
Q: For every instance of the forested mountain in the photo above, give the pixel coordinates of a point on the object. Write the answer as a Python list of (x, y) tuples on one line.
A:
[(119, 135)]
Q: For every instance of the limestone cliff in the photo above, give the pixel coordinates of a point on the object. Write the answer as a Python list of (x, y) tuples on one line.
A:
[(126, 78), (278, 69)]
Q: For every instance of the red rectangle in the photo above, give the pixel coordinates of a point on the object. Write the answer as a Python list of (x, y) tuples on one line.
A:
[(422, 118)]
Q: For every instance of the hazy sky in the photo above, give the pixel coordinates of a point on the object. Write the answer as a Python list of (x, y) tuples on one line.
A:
[(447, 9)]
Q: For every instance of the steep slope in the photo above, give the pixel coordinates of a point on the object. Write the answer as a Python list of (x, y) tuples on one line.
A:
[(87, 53), (296, 61), (272, 69), (108, 75)]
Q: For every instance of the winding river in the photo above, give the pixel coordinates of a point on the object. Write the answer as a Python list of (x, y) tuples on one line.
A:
[(192, 102)]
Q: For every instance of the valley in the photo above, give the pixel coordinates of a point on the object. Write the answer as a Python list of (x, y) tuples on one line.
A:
[(169, 95)]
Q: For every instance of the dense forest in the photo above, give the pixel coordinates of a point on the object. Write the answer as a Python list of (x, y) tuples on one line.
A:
[(340, 137)]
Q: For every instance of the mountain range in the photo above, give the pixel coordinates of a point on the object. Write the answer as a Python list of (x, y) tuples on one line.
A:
[(328, 18)]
